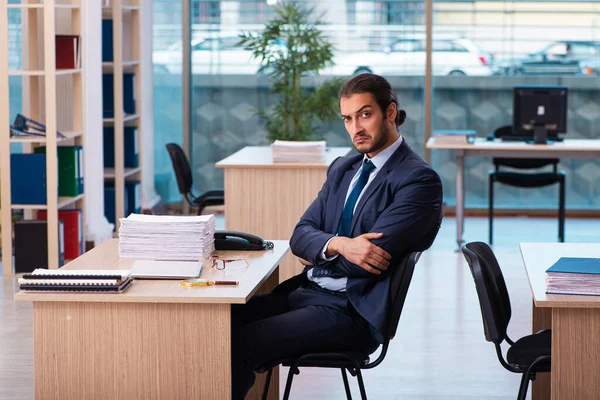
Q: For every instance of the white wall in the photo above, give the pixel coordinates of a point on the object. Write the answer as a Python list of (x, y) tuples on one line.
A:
[(97, 227), (150, 197)]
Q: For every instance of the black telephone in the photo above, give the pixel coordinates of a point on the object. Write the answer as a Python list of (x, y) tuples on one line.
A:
[(233, 240)]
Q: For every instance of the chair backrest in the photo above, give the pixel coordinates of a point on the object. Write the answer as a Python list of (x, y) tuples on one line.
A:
[(183, 173), (493, 296), (399, 284), (400, 281), (519, 163)]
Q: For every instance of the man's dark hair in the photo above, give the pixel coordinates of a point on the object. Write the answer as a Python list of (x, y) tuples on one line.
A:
[(379, 88)]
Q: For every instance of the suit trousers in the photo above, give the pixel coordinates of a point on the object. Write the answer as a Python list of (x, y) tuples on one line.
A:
[(278, 325)]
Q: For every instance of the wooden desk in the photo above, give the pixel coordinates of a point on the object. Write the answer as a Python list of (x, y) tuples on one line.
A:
[(268, 199), (157, 340), (569, 148), (575, 323)]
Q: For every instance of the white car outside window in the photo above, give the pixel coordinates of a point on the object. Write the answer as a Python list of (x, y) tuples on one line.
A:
[(210, 56), (407, 57)]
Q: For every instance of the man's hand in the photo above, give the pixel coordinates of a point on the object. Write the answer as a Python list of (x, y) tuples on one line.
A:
[(361, 251), (305, 262)]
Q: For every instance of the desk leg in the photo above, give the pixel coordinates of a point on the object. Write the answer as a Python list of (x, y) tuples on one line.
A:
[(145, 351), (542, 319), (256, 392), (460, 197), (575, 353)]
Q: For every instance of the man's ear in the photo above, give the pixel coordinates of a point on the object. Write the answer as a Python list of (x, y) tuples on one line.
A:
[(391, 112)]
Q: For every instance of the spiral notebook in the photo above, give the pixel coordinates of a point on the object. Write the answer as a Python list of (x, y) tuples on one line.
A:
[(114, 281)]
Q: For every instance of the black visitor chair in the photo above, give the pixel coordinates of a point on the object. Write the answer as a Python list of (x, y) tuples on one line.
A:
[(183, 173), (526, 180), (350, 360), (528, 355)]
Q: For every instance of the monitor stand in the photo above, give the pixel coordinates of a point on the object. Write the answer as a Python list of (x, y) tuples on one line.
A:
[(540, 134)]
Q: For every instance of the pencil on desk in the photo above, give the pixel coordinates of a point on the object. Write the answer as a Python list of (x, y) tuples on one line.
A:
[(226, 282)]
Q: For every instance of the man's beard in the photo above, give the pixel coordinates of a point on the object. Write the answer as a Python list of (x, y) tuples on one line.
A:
[(380, 141)]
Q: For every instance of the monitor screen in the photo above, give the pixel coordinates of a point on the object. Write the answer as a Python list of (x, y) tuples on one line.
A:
[(541, 107)]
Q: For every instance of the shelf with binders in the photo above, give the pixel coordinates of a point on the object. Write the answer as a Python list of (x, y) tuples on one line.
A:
[(121, 71), (49, 122)]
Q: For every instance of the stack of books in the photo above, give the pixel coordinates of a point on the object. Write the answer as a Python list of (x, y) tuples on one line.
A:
[(167, 237), (61, 280), (573, 275), (298, 152)]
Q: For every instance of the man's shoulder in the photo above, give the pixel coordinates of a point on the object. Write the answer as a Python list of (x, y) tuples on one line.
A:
[(414, 167)]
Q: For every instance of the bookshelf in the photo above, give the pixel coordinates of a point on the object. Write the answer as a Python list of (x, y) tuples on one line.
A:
[(51, 96), (126, 16)]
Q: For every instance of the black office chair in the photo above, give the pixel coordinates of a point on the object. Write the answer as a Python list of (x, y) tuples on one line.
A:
[(528, 355), (354, 361), (183, 173), (526, 180)]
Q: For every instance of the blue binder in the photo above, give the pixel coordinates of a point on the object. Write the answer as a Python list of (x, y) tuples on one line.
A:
[(134, 197), (576, 265), (110, 211), (28, 179), (108, 103), (107, 40), (130, 147)]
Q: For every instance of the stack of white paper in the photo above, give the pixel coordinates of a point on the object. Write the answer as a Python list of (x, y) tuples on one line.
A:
[(298, 152), (167, 237)]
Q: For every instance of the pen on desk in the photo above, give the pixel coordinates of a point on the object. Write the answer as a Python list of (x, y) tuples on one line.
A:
[(205, 282)]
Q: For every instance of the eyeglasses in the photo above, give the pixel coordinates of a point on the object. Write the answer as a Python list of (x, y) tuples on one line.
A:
[(219, 263)]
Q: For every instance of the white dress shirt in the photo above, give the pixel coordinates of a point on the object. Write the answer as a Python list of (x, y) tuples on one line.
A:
[(339, 284)]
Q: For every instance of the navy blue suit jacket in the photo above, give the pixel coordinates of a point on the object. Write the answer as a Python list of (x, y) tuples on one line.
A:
[(404, 202)]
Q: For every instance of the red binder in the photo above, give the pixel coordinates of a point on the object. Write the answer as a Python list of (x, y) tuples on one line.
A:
[(73, 226), (67, 51)]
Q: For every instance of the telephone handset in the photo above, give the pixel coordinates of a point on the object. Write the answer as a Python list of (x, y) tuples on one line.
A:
[(234, 240)]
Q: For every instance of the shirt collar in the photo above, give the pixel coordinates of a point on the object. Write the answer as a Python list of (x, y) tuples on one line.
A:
[(381, 158)]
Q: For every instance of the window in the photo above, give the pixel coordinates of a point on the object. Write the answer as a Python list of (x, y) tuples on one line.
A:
[(206, 12)]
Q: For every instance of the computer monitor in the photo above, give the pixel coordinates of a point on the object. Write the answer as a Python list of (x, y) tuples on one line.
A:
[(540, 111)]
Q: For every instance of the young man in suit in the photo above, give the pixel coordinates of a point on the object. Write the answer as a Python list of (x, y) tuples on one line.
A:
[(373, 209)]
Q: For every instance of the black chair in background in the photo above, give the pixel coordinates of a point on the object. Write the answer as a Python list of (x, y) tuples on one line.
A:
[(183, 173), (528, 355), (354, 361), (526, 180)]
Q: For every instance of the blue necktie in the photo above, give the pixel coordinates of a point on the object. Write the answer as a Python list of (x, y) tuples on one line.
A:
[(346, 220)]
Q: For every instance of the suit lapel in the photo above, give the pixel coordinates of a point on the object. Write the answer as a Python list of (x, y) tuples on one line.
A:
[(342, 192), (392, 163)]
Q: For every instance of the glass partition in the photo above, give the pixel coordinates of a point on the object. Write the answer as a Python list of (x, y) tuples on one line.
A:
[(496, 46), (228, 84)]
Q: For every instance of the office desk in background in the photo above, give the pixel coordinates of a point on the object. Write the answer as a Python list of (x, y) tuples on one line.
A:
[(157, 340), (268, 199), (569, 148), (575, 323)]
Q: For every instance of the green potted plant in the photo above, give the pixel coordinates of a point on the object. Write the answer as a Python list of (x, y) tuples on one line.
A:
[(291, 47)]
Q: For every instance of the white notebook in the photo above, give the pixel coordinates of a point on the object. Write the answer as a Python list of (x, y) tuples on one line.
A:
[(152, 269)]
